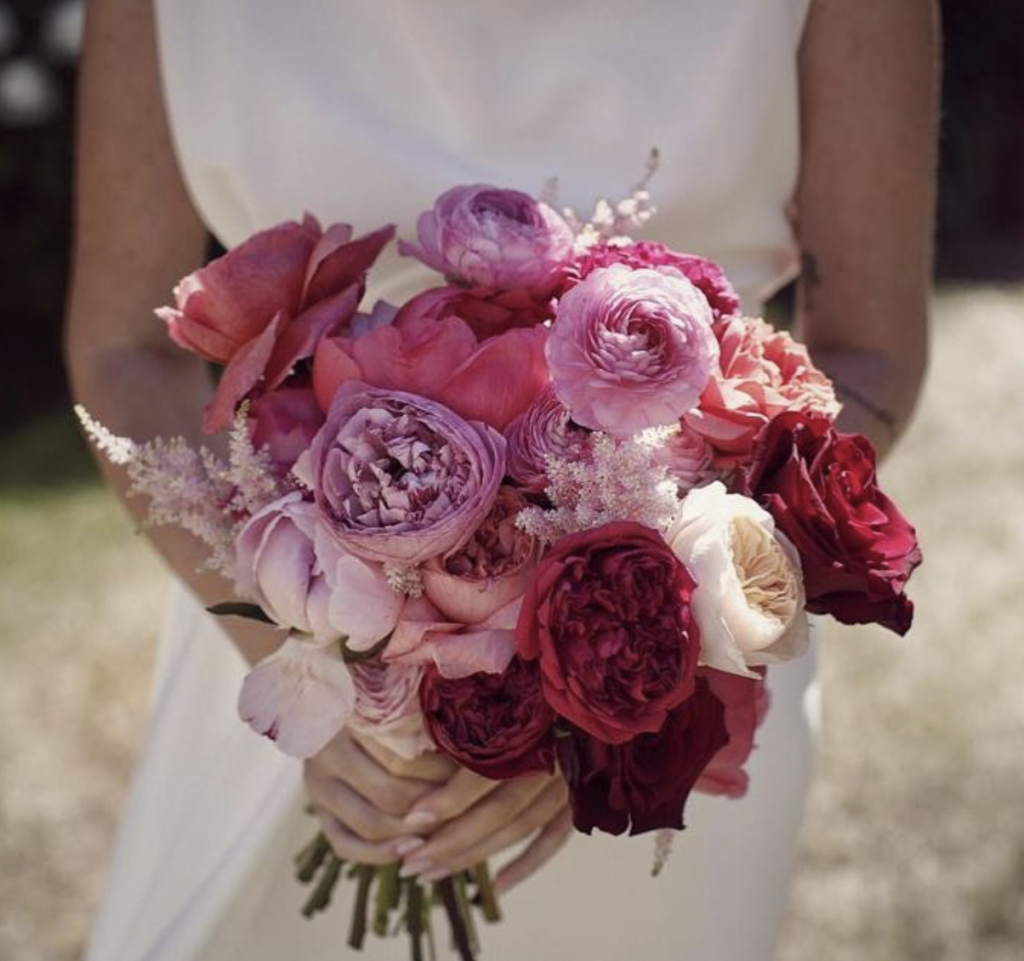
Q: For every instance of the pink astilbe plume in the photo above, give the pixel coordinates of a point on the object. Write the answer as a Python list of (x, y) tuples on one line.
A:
[(192, 487)]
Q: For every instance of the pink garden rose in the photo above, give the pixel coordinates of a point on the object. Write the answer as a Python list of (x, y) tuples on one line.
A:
[(761, 373), (489, 570), (284, 422), (492, 381), (487, 312), (484, 236), (704, 274), (262, 307), (631, 349), (398, 478), (544, 428)]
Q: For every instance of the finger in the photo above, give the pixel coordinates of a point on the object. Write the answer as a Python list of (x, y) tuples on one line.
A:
[(349, 847), (348, 762), (540, 850), (463, 790), (354, 811), (489, 816), (544, 808), (431, 766)]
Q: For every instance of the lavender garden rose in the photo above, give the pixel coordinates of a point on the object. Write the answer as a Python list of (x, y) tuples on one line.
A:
[(631, 349), (398, 478), (495, 239)]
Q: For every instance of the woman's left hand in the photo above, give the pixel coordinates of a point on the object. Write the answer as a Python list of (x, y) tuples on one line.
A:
[(479, 817)]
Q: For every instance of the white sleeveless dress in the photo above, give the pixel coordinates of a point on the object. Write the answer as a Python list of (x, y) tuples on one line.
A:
[(364, 112)]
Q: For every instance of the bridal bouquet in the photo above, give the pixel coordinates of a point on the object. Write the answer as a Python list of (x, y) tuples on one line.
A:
[(564, 509)]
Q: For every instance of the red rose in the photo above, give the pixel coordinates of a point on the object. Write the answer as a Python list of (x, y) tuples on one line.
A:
[(704, 274), (494, 724), (746, 702), (857, 549), (643, 785), (608, 616)]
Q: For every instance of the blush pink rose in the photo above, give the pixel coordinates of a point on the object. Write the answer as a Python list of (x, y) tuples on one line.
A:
[(631, 349), (688, 458), (262, 307), (284, 421), (489, 570), (704, 274), (484, 236), (491, 381), (487, 312), (761, 373), (387, 707), (398, 478), (544, 429)]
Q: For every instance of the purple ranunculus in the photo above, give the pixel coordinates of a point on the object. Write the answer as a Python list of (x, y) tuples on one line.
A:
[(544, 428), (488, 237)]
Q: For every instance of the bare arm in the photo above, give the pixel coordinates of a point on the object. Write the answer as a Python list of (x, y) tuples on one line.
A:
[(136, 234), (865, 203)]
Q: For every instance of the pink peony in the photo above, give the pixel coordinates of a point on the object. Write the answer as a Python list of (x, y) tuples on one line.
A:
[(398, 478), (761, 373), (493, 381), (262, 307), (484, 236), (388, 707), (489, 570), (285, 421), (631, 349), (544, 428), (487, 312), (704, 274)]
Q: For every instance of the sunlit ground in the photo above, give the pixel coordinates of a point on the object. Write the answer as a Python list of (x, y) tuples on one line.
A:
[(915, 839)]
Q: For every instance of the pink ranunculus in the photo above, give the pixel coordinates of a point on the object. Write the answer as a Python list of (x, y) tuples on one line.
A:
[(398, 478), (761, 373), (544, 429), (487, 312), (285, 421), (262, 307), (484, 236), (492, 381), (688, 458), (387, 706), (278, 568), (704, 274), (631, 349), (489, 570)]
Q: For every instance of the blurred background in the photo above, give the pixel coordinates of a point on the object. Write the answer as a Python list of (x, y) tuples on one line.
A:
[(914, 847)]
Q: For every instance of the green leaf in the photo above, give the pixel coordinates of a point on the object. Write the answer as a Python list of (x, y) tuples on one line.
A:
[(238, 609)]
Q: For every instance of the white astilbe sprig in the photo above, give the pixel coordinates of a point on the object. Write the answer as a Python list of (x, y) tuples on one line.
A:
[(404, 580), (609, 222), (619, 480), (191, 487)]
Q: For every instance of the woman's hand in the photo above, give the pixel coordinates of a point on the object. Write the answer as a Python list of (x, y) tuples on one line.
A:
[(361, 793), (479, 817)]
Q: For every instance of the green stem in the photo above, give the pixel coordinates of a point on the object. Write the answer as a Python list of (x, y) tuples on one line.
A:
[(466, 907), (309, 860), (485, 893), (414, 918), (321, 895), (388, 891), (456, 918), (357, 933)]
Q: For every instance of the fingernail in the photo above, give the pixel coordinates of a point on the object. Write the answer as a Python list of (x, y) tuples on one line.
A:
[(415, 867), (439, 874), (408, 846), (420, 819)]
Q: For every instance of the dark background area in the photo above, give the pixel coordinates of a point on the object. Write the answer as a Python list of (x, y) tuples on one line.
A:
[(981, 210)]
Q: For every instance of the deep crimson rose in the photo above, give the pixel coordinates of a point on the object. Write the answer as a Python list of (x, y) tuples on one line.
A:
[(746, 701), (856, 548), (608, 617), (486, 311), (704, 274), (497, 725), (643, 785)]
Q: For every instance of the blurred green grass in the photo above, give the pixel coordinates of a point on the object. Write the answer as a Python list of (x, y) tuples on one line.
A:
[(914, 844)]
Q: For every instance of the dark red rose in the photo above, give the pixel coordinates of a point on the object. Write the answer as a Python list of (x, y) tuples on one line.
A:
[(746, 703), (857, 549), (643, 785), (704, 274), (497, 725), (608, 616), (487, 312)]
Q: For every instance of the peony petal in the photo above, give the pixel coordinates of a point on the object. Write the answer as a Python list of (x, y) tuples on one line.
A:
[(363, 605), (300, 696), (338, 262), (459, 655)]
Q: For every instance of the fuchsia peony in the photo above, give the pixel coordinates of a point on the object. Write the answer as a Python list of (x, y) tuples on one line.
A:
[(761, 373), (543, 429), (262, 307), (398, 478), (487, 237), (493, 380), (631, 349)]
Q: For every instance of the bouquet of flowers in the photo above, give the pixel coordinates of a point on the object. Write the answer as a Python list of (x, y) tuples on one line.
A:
[(564, 508)]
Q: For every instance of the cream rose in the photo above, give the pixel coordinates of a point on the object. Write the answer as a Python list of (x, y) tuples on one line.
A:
[(749, 601)]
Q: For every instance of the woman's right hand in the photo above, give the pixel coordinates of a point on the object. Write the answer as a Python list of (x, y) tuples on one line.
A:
[(361, 792)]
